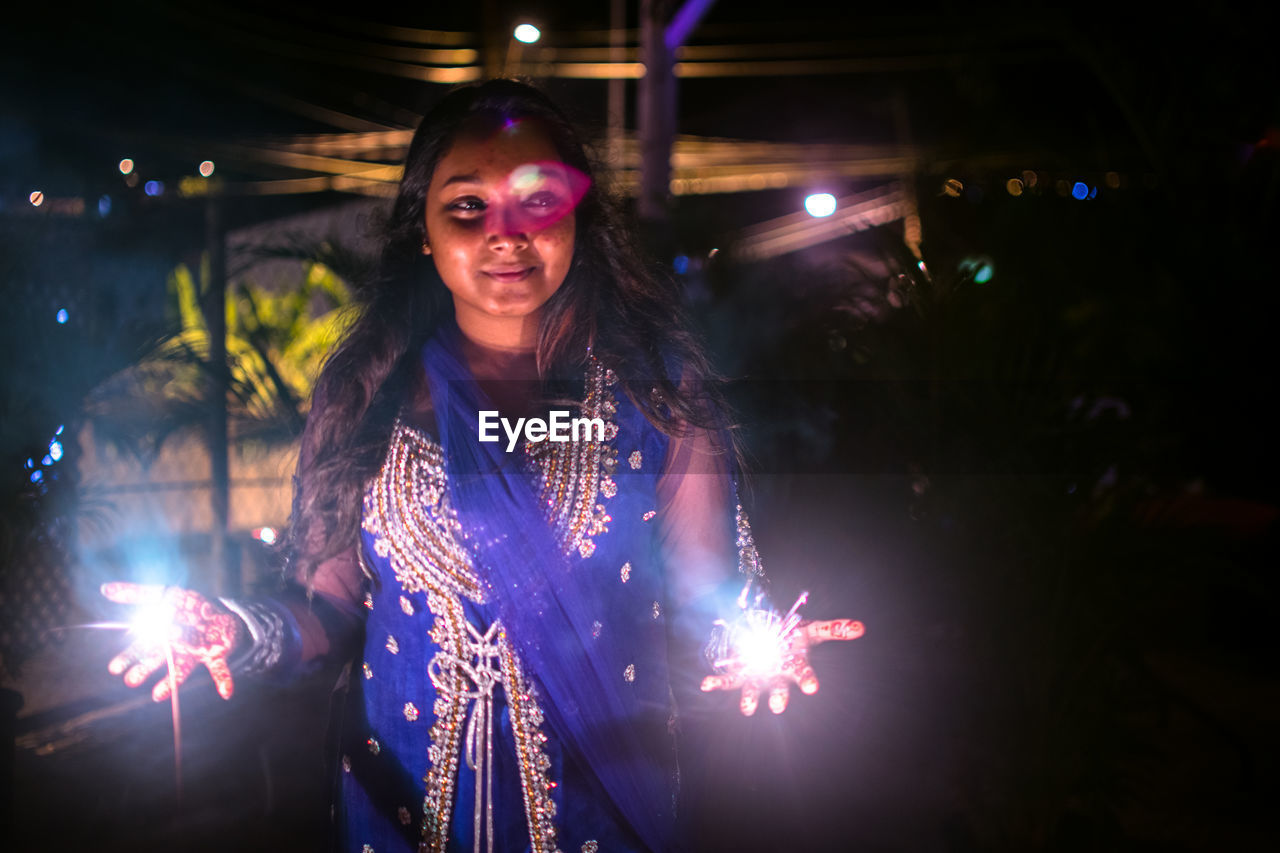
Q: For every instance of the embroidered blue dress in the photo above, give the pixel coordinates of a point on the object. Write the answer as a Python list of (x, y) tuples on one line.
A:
[(453, 740)]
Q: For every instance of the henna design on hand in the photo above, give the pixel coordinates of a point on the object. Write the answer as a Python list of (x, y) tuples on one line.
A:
[(201, 632), (795, 667)]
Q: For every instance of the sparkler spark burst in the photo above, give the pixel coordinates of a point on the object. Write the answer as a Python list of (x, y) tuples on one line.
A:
[(153, 623), (758, 642)]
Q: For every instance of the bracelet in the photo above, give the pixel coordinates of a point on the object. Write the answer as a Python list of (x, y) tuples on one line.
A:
[(276, 644)]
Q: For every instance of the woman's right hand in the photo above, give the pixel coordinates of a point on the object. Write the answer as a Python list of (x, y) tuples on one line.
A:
[(195, 630)]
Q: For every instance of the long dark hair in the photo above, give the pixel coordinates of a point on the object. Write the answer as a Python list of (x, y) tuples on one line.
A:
[(609, 302)]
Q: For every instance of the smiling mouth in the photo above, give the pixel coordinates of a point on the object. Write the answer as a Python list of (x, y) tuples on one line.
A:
[(507, 276)]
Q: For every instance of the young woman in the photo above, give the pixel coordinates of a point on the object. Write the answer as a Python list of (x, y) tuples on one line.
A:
[(516, 591)]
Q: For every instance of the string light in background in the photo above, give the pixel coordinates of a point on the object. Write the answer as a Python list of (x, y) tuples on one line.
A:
[(527, 33), (819, 205)]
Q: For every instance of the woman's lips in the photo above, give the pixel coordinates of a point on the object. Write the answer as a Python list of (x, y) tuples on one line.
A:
[(507, 276)]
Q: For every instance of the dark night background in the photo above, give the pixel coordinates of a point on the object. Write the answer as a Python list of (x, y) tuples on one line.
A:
[(1042, 473)]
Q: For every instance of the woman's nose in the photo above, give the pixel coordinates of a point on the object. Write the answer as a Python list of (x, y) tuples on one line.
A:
[(503, 225)]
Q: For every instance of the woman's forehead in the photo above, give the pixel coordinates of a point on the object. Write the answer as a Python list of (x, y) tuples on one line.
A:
[(483, 146)]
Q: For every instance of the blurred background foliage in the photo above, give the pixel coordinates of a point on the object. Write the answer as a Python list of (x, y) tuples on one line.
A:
[(138, 383)]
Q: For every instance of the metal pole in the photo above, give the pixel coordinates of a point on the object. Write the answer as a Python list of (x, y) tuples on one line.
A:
[(656, 113), (617, 108), (226, 572)]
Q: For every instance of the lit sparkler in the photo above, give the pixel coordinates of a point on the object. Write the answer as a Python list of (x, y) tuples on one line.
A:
[(758, 643), (763, 649), (153, 626)]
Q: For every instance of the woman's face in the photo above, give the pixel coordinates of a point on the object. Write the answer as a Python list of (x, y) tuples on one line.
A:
[(500, 228)]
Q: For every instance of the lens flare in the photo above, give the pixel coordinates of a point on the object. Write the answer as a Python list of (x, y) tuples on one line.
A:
[(527, 33), (537, 196)]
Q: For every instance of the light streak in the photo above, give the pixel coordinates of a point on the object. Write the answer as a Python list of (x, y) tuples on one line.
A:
[(153, 624)]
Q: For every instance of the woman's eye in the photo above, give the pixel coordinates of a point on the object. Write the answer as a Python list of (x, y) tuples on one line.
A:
[(542, 201), (466, 205)]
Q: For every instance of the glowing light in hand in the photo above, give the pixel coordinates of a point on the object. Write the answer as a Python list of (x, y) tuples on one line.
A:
[(152, 623), (757, 643)]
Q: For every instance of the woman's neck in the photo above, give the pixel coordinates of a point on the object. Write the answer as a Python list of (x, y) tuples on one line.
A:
[(497, 333), (507, 375)]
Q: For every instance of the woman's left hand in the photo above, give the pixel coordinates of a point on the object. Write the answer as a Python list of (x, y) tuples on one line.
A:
[(794, 666)]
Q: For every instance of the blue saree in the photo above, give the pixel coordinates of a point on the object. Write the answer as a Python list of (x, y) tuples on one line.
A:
[(513, 690)]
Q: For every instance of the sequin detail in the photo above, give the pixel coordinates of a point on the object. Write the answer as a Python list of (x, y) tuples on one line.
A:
[(648, 516), (406, 605), (574, 473), (393, 645), (346, 764), (635, 460), (526, 725), (748, 557), (657, 610), (595, 629), (368, 673), (368, 848), (629, 674), (368, 600), (590, 846), (408, 506), (404, 816), (448, 632), (410, 712), (374, 746), (626, 572)]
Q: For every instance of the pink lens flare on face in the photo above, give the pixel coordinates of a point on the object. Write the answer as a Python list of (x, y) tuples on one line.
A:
[(535, 197)]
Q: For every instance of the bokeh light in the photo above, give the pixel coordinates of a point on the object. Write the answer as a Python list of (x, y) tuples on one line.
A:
[(206, 168), (981, 267), (104, 205), (952, 187), (527, 33), (153, 188), (62, 316), (1080, 190), (820, 204), (36, 198), (55, 450), (1113, 180), (126, 166), (1014, 186)]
